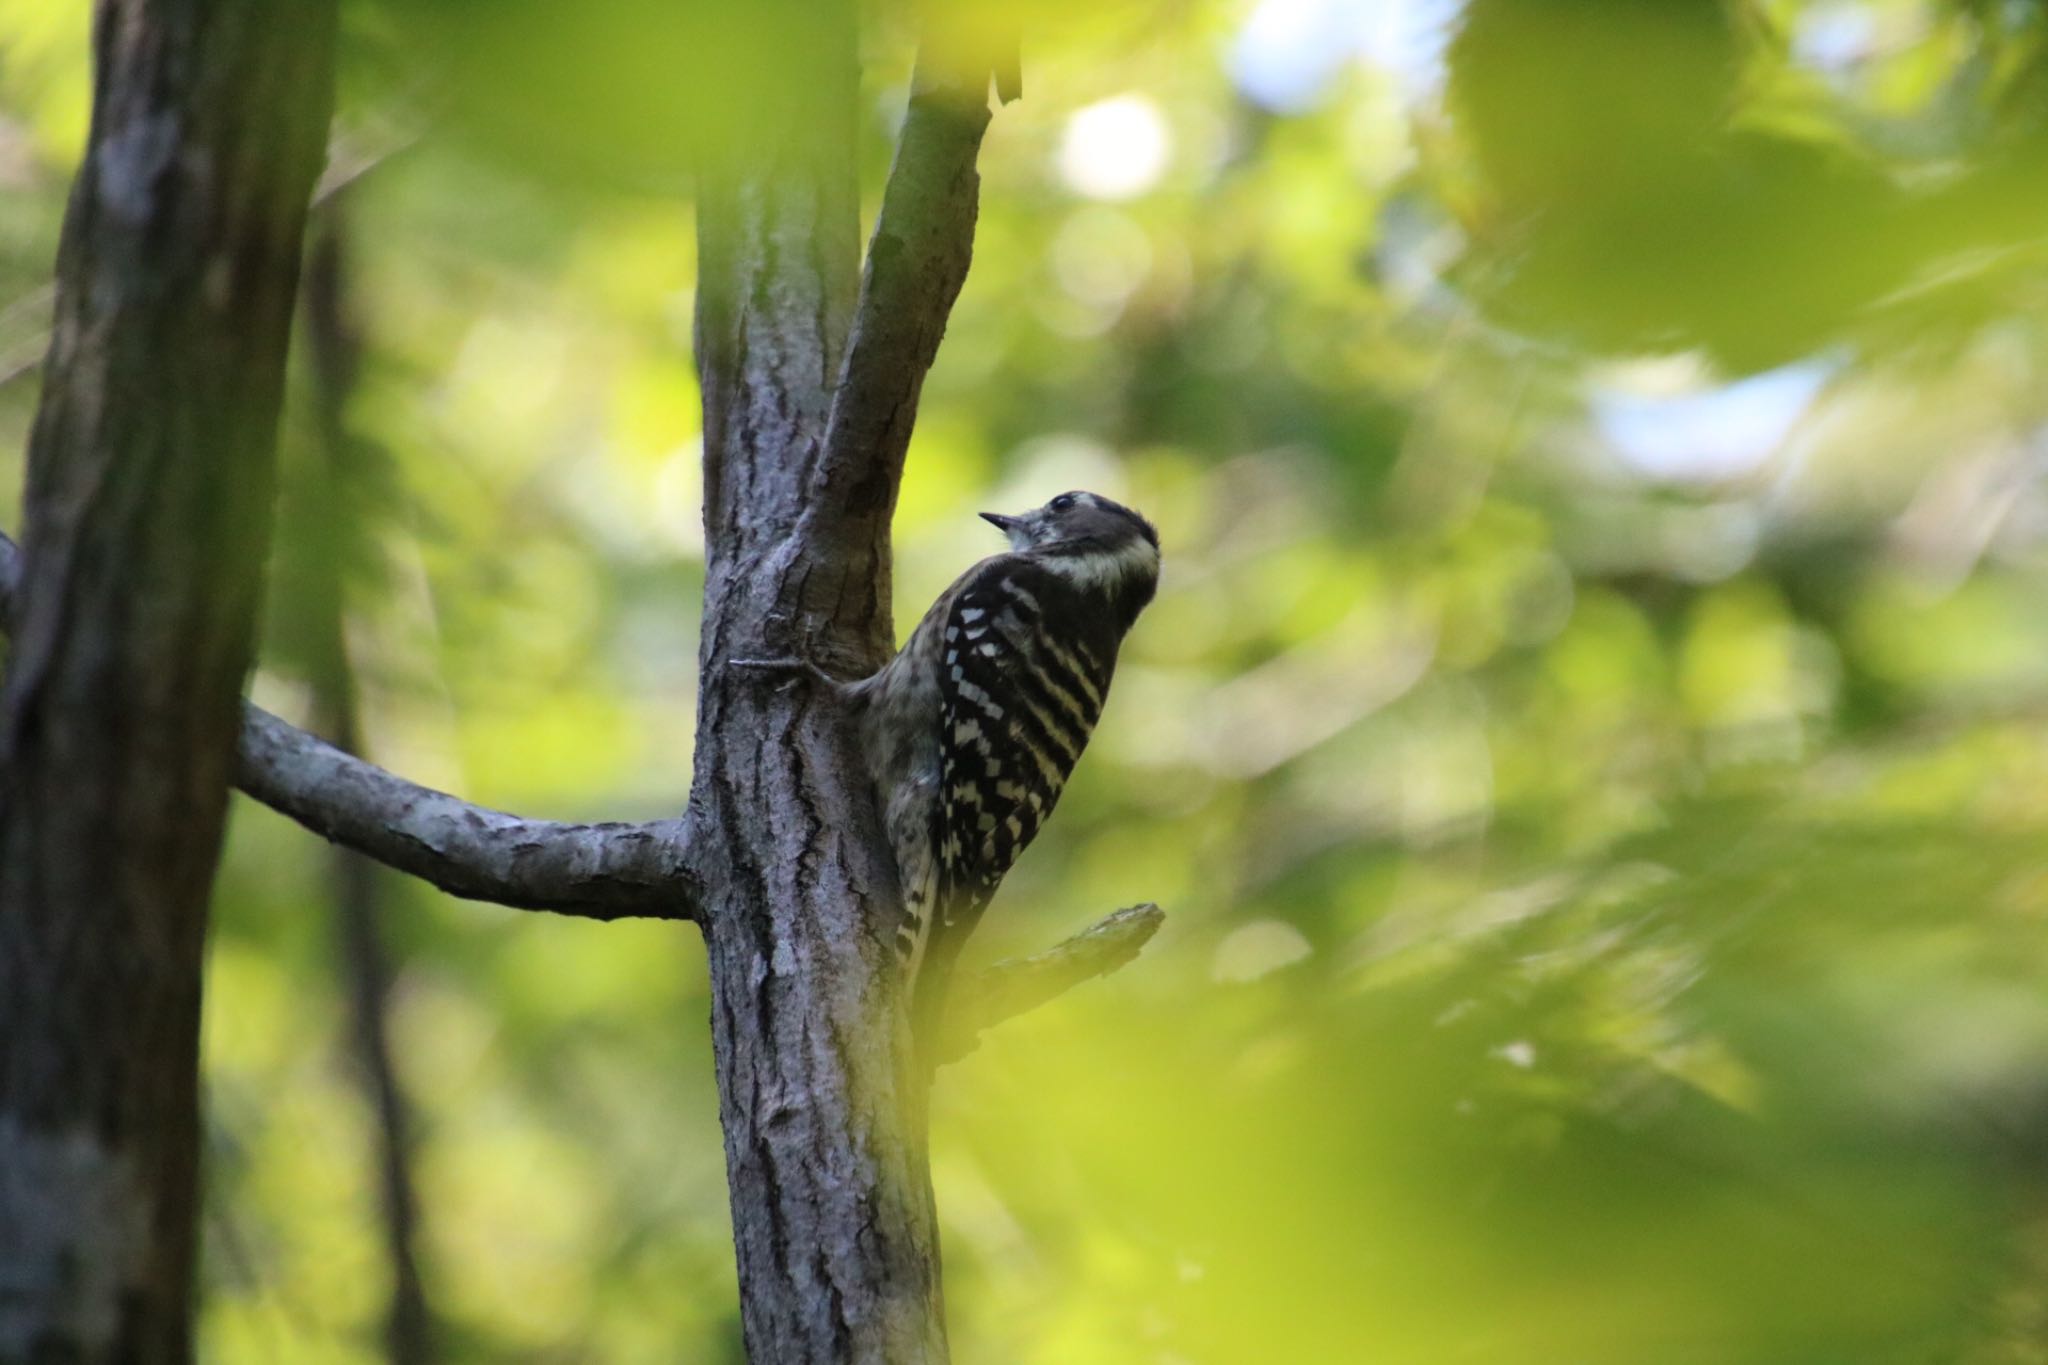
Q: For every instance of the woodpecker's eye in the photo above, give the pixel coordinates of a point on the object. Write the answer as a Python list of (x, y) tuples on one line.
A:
[(1063, 503)]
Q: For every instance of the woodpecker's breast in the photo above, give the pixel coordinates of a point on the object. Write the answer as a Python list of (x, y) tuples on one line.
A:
[(1027, 657)]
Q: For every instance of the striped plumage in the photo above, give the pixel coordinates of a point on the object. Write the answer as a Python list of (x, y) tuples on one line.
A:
[(971, 731)]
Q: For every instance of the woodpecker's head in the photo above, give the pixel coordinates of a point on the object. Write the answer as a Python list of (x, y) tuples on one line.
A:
[(1077, 523), (1095, 542)]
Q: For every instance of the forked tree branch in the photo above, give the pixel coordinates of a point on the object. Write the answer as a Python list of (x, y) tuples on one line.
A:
[(916, 264), (1017, 985), (601, 871)]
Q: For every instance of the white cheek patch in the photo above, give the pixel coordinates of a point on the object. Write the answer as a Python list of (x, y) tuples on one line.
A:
[(1109, 569)]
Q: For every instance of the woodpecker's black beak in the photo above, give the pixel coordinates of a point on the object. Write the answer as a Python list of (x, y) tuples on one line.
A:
[(1000, 522)]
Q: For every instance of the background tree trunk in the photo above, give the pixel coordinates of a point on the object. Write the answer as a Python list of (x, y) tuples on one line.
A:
[(363, 964), (147, 515)]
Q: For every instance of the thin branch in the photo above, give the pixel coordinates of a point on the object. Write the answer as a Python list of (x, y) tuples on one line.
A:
[(38, 301), (916, 264), (1018, 985), (602, 871), (26, 365), (342, 171)]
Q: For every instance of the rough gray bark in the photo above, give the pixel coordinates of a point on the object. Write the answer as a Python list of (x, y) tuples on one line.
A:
[(820, 1102), (147, 514)]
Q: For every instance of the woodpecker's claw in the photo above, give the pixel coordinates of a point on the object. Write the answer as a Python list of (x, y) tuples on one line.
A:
[(787, 667)]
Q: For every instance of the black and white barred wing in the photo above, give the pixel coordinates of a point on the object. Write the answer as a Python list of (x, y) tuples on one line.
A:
[(1021, 696)]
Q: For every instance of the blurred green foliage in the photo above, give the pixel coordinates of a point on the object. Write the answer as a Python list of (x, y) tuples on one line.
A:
[(1589, 740)]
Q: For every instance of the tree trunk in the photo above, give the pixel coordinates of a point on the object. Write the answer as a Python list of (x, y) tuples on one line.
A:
[(831, 1201), (363, 964), (148, 503)]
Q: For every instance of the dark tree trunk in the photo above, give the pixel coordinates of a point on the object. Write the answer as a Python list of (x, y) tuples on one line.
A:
[(335, 352), (147, 513)]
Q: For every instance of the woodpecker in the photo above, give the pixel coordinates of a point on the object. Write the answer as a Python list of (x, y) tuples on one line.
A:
[(971, 731)]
